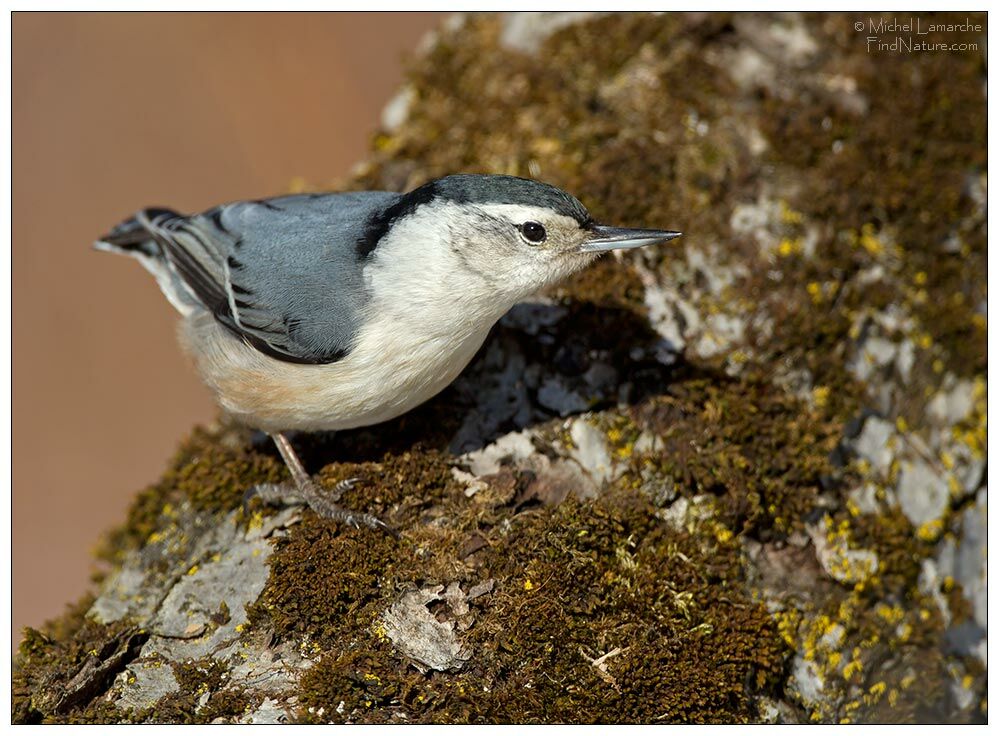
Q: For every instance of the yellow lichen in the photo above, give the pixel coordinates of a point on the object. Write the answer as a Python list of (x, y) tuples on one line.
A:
[(788, 247), (723, 534), (788, 215), (870, 242), (891, 614), (930, 531), (853, 667)]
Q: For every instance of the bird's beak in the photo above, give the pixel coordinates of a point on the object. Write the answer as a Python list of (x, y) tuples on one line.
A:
[(604, 238)]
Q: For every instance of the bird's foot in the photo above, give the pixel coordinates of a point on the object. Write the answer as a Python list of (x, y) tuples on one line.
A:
[(322, 502), (272, 494)]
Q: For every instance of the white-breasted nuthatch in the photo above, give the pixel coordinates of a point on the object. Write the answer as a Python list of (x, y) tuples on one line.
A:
[(333, 311)]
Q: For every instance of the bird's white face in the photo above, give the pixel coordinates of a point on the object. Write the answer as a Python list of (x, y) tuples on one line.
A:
[(518, 248), (480, 259), (496, 254)]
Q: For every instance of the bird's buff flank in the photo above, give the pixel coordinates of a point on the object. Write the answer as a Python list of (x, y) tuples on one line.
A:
[(334, 311)]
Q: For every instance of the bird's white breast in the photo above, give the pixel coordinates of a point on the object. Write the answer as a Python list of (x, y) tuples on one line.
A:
[(392, 369)]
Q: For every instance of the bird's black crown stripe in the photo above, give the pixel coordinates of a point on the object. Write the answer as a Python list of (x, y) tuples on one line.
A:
[(501, 189), (473, 189)]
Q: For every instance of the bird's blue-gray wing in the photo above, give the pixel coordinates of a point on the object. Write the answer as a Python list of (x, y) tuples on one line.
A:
[(284, 274)]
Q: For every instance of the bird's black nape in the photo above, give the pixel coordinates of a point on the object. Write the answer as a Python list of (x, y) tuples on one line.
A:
[(380, 223)]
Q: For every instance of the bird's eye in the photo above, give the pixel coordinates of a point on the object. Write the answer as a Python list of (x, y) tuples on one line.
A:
[(533, 232)]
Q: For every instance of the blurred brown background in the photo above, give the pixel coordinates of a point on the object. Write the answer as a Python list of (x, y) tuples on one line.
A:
[(113, 112)]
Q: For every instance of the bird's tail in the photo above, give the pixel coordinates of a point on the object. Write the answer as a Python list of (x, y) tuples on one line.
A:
[(134, 238)]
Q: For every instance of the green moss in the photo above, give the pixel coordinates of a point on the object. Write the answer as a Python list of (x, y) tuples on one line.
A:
[(571, 583), (325, 578), (608, 285), (762, 453), (48, 660), (905, 166), (197, 678), (899, 549)]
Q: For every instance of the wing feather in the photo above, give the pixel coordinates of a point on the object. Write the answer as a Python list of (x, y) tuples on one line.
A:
[(203, 251), (276, 273)]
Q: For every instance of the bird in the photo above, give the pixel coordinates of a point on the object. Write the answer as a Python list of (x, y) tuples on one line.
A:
[(331, 311)]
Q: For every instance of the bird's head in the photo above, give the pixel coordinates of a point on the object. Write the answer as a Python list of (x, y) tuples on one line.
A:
[(511, 235)]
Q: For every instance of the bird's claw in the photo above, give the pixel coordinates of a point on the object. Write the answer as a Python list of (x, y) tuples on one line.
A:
[(323, 503), (271, 494), (341, 487), (377, 523)]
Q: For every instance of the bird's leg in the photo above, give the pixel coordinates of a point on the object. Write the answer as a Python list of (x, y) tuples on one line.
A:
[(322, 502)]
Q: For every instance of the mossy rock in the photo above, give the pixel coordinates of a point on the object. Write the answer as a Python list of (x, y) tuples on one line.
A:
[(680, 487)]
